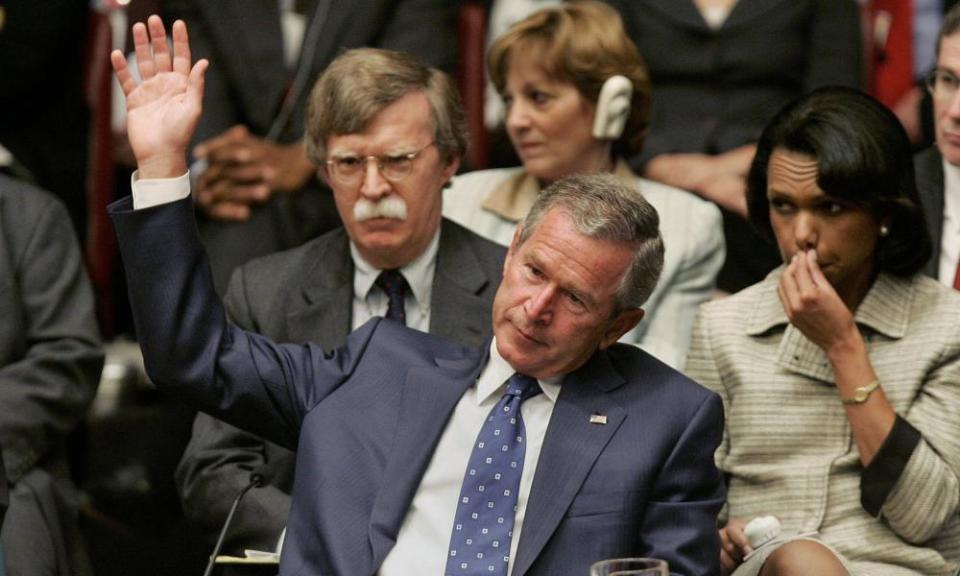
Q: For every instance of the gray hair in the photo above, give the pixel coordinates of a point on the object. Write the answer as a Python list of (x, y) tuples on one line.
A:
[(602, 206), (360, 83)]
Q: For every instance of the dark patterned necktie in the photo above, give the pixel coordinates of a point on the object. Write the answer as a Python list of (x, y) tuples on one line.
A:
[(483, 527), (394, 285)]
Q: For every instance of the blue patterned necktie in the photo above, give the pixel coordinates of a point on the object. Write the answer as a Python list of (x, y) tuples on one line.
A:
[(483, 527), (394, 285)]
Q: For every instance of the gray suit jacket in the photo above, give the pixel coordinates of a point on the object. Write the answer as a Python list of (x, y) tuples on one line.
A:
[(248, 78), (50, 361), (305, 295), (929, 174)]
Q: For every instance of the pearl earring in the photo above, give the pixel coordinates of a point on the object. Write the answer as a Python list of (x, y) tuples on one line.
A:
[(884, 231)]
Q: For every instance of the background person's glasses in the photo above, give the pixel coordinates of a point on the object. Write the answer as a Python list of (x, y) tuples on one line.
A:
[(349, 170), (942, 83)]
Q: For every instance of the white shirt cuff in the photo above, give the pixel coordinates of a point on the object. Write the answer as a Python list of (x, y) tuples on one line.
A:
[(151, 192)]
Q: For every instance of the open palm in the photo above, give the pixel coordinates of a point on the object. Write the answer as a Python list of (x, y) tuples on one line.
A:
[(164, 107)]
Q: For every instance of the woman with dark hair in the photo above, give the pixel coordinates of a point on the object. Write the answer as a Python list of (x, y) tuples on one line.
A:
[(840, 372)]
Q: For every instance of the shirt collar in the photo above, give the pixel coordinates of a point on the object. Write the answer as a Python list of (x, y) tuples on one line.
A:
[(493, 378), (512, 199), (418, 273), (885, 308)]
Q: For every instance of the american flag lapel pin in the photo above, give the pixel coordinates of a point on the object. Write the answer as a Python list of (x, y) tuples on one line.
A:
[(598, 419)]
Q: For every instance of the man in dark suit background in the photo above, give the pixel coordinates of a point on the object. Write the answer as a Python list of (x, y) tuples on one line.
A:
[(328, 287), (50, 362), (259, 193), (608, 452), (938, 167)]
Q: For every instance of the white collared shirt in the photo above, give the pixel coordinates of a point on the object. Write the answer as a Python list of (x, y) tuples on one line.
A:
[(950, 236), (424, 539), (370, 300)]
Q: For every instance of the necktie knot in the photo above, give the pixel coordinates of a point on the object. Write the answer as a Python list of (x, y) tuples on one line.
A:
[(395, 286), (523, 386)]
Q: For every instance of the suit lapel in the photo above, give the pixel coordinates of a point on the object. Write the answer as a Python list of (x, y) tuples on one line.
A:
[(570, 448), (930, 183), (429, 397), (323, 315), (458, 313)]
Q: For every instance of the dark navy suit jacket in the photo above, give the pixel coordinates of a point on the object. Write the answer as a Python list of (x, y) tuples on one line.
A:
[(366, 419)]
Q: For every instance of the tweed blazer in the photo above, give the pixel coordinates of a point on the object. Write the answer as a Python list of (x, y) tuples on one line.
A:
[(492, 202), (787, 448)]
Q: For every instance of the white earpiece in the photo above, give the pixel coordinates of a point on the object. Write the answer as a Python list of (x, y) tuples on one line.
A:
[(613, 108)]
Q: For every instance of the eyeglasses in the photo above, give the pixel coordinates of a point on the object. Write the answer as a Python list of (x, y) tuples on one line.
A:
[(942, 83), (348, 170)]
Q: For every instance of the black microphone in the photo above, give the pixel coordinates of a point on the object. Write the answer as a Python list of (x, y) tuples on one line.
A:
[(256, 481)]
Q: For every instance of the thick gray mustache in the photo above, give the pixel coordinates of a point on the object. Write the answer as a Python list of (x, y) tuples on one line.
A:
[(390, 207)]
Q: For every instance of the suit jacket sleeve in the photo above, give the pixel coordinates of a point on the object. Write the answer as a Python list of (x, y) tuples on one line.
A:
[(218, 462), (50, 353), (680, 522), (193, 353)]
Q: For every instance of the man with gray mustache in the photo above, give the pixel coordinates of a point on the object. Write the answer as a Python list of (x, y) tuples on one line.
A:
[(387, 134)]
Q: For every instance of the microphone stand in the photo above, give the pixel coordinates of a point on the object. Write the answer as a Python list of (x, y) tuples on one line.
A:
[(256, 481)]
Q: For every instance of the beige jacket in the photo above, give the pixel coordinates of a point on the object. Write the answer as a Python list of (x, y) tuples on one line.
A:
[(788, 449)]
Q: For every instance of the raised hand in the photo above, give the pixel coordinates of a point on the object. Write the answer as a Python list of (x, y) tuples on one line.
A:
[(164, 107)]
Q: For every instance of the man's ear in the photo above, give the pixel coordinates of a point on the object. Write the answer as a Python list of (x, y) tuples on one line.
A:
[(324, 176), (620, 325), (451, 168), (514, 246)]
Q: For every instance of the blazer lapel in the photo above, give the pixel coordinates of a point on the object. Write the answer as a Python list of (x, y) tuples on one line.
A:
[(457, 311), (570, 448), (930, 184), (324, 313), (429, 397)]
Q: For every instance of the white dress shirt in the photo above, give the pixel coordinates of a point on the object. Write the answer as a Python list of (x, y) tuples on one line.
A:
[(950, 237), (369, 300), (424, 538)]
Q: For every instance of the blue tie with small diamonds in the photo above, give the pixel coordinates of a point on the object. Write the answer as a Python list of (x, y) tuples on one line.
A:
[(483, 527)]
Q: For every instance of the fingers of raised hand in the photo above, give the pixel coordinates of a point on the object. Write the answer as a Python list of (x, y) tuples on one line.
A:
[(158, 41), (181, 48), (124, 77)]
